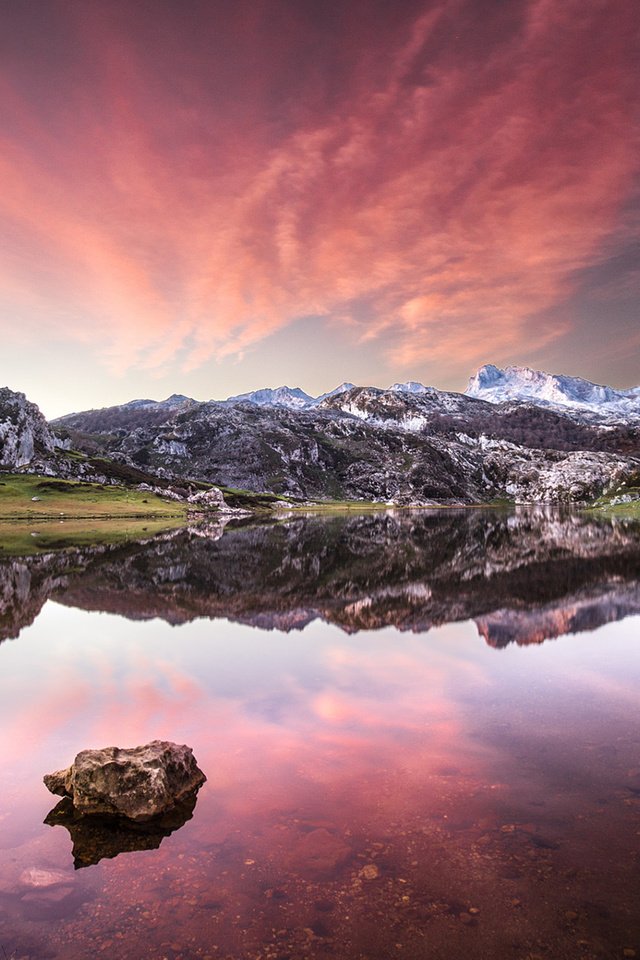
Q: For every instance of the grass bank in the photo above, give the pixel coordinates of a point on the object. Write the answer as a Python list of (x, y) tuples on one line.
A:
[(342, 506), (27, 497), (628, 510), (45, 513), (624, 511)]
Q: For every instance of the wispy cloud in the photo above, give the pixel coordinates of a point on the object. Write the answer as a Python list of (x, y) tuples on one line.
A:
[(453, 191)]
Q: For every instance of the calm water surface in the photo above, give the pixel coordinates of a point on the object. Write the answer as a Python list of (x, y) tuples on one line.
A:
[(421, 734)]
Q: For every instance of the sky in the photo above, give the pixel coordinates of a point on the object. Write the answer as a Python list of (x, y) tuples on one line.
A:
[(206, 197)]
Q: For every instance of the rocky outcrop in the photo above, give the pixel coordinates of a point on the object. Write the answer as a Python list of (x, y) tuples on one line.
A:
[(24, 432), (534, 476), (139, 783), (213, 499)]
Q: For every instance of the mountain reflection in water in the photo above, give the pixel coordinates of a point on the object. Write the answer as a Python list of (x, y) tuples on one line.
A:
[(383, 784), (523, 576)]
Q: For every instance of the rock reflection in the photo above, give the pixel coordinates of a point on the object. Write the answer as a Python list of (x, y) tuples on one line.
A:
[(97, 838), (523, 575)]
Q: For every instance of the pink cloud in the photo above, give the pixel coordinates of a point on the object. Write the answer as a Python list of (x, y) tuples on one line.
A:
[(456, 196)]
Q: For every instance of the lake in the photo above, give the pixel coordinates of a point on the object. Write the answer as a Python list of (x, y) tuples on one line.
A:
[(420, 729)]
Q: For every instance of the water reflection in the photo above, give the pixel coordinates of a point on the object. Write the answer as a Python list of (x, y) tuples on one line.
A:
[(96, 838), (372, 793), (524, 576)]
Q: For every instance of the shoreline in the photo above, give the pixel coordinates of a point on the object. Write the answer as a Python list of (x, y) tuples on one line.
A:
[(39, 512)]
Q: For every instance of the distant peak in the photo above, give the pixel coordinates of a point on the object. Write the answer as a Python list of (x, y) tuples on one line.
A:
[(498, 385), (345, 385), (409, 386), (343, 388), (488, 373), (284, 396)]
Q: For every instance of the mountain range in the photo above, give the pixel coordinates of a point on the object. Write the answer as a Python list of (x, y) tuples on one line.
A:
[(515, 434), (490, 383), (296, 399)]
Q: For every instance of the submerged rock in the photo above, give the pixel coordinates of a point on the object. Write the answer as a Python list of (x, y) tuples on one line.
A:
[(39, 878), (137, 783), (319, 855)]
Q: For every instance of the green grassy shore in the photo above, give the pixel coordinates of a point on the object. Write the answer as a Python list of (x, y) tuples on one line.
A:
[(628, 510), (28, 497), (66, 514), (39, 513), (623, 511)]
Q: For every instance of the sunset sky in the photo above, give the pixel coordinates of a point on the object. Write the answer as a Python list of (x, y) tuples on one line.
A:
[(210, 197)]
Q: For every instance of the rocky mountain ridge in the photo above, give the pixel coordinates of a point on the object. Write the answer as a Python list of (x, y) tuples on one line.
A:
[(493, 384), (409, 444), (400, 446)]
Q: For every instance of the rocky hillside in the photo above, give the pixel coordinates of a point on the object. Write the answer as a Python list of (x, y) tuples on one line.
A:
[(397, 445), (409, 444), (29, 445), (24, 432)]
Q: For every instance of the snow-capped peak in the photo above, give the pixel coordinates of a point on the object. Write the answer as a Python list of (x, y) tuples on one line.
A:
[(334, 393), (410, 386), (498, 385), (292, 397)]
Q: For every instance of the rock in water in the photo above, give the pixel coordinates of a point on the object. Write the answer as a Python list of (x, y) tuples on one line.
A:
[(137, 783)]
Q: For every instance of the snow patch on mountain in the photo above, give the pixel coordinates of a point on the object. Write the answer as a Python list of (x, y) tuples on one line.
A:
[(343, 388), (500, 385), (410, 386), (291, 397)]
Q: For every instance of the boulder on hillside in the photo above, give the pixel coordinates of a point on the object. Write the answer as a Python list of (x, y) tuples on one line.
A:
[(213, 499), (139, 783)]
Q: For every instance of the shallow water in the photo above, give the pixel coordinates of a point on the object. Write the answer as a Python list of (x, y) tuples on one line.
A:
[(421, 734)]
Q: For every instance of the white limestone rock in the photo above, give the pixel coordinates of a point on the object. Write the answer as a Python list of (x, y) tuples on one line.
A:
[(24, 432)]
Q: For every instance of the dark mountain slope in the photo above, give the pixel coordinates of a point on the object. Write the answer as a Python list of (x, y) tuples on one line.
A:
[(371, 444)]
